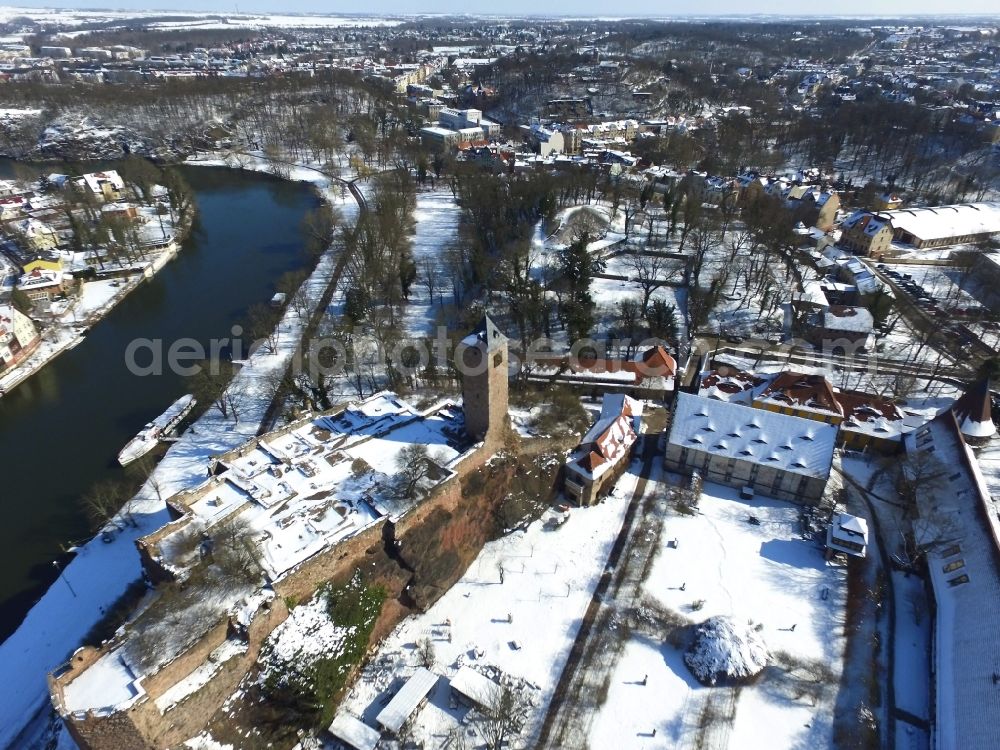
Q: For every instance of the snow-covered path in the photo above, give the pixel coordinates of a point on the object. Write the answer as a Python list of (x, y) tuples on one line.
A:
[(436, 216)]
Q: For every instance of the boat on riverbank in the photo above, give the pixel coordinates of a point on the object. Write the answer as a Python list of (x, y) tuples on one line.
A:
[(152, 433)]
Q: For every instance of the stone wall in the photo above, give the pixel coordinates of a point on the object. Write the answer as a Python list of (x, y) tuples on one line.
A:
[(143, 726)]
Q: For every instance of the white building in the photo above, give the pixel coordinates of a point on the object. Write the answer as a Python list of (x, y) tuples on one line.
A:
[(959, 532), (848, 534), (778, 455), (18, 336)]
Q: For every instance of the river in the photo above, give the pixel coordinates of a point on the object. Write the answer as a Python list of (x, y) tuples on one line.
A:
[(61, 430)]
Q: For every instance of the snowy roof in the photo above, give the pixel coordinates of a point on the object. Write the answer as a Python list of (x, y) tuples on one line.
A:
[(867, 221), (609, 438), (974, 411), (479, 689), (728, 383), (94, 180), (107, 684), (300, 488), (789, 443), (847, 530), (942, 222), (809, 392), (653, 368), (844, 318), (354, 732), (872, 415), (852, 525), (406, 701), (962, 538)]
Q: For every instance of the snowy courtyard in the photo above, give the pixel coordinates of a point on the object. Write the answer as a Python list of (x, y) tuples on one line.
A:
[(723, 564)]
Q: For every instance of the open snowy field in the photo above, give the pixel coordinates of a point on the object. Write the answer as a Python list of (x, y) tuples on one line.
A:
[(723, 565)]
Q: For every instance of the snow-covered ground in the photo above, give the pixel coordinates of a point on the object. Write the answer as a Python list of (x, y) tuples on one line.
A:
[(524, 626), (100, 572), (436, 216), (765, 573)]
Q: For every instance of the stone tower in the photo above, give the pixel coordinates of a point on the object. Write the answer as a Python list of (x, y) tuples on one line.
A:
[(482, 362)]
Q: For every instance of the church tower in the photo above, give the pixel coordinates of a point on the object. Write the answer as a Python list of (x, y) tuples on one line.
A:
[(482, 361)]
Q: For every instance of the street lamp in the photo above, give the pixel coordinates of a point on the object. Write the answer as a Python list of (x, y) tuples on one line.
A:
[(59, 574)]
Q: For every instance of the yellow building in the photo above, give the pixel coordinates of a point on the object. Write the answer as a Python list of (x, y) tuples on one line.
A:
[(44, 264)]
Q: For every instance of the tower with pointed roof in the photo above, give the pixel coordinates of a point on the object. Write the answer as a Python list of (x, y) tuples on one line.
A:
[(973, 411), (482, 361)]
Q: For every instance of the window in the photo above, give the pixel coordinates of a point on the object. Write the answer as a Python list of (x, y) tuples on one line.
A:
[(959, 580), (953, 566), (498, 359)]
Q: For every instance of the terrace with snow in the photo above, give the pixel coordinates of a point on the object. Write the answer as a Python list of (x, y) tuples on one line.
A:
[(293, 495)]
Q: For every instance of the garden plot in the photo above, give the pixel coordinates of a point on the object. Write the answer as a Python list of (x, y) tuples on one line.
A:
[(520, 622), (767, 574)]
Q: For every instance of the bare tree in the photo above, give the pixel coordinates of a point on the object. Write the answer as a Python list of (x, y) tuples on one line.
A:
[(411, 468), (503, 717), (429, 275), (262, 325), (104, 500), (649, 269), (425, 652)]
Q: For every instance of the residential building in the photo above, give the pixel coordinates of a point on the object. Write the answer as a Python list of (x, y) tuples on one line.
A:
[(47, 262), (816, 207), (841, 326), (37, 234), (108, 185), (847, 534), (888, 201), (18, 336), (120, 211), (543, 140), (44, 285), (12, 207), (865, 233), (777, 455), (603, 453)]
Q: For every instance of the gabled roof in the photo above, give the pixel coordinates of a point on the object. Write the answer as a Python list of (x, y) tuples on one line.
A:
[(610, 437), (812, 392), (974, 411)]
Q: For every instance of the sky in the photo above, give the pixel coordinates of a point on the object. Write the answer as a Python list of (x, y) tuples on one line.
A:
[(600, 8)]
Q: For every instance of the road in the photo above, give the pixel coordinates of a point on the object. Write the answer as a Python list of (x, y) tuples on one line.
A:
[(595, 651)]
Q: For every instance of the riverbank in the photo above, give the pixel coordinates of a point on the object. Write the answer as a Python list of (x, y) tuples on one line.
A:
[(96, 299), (99, 573)]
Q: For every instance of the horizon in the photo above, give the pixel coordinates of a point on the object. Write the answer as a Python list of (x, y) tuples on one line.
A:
[(719, 9)]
